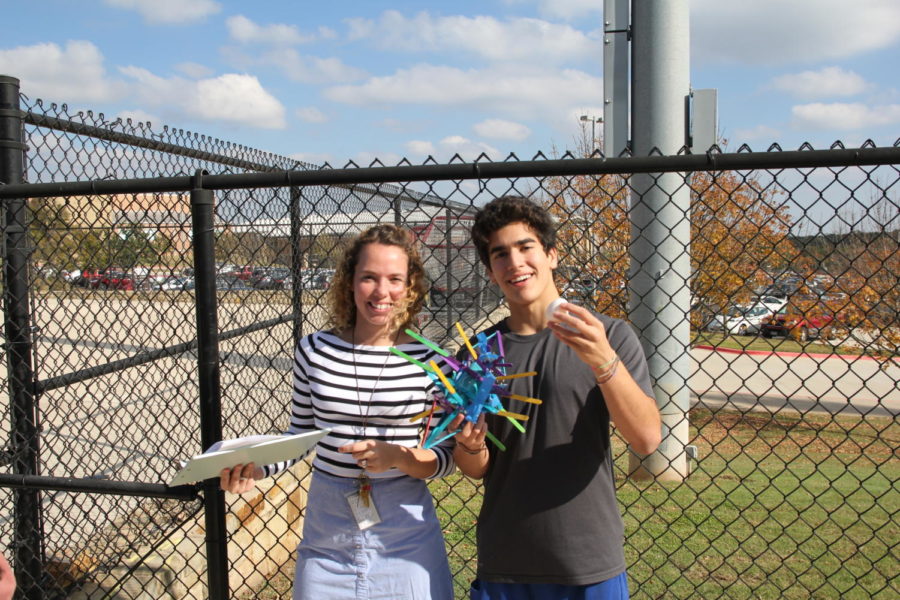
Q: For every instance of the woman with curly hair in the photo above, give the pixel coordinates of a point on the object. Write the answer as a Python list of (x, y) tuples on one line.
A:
[(370, 529)]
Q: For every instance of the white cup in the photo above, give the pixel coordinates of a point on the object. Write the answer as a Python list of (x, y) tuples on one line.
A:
[(551, 308)]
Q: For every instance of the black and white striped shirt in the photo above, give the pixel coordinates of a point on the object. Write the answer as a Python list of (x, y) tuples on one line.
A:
[(362, 392)]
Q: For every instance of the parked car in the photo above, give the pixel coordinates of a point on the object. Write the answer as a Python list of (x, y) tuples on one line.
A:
[(231, 283), (788, 321), (70, 276), (257, 275), (112, 279), (272, 280), (173, 283), (773, 302), (581, 290), (321, 280), (88, 277), (742, 320), (241, 272)]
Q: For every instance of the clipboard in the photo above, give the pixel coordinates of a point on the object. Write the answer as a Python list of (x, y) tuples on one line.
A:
[(262, 450)]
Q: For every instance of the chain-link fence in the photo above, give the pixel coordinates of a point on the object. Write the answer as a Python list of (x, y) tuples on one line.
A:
[(155, 284)]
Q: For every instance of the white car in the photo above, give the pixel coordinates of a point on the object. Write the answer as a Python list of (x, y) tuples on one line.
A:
[(173, 283), (772, 302), (741, 320)]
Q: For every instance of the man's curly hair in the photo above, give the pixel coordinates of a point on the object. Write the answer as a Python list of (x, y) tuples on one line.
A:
[(340, 292), (503, 211)]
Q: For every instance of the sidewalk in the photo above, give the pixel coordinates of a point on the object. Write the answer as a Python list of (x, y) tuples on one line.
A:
[(750, 380)]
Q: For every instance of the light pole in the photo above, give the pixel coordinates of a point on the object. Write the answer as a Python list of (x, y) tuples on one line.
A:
[(594, 121)]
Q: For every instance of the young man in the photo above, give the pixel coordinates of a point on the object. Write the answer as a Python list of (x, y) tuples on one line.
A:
[(549, 526)]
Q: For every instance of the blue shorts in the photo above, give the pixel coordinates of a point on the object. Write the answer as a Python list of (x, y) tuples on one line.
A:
[(615, 588)]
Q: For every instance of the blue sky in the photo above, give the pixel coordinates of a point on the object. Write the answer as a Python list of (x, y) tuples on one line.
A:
[(338, 81)]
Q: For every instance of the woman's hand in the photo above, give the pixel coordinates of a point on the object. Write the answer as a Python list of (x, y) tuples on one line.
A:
[(471, 453), (374, 456), (471, 435), (7, 580), (240, 478)]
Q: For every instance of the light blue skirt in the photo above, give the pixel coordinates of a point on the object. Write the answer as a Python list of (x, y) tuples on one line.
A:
[(401, 558)]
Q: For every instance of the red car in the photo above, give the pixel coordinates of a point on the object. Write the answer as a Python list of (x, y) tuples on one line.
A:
[(790, 322), (114, 280), (243, 273)]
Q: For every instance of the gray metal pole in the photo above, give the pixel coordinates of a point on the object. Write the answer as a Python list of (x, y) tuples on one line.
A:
[(660, 226), (616, 107), (28, 530)]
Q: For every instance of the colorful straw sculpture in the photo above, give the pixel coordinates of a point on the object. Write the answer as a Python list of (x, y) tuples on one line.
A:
[(471, 388)]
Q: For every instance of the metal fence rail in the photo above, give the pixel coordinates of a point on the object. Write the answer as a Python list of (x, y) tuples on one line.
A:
[(155, 284)]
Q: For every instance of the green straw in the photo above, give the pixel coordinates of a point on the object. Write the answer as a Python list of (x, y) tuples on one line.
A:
[(516, 424), (403, 354), (497, 442), (428, 343)]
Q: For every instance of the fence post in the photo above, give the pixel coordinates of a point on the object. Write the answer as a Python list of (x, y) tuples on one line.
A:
[(448, 274), (202, 211), (28, 536), (297, 289), (661, 208)]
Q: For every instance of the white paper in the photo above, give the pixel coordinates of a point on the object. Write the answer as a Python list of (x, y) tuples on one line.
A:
[(259, 449)]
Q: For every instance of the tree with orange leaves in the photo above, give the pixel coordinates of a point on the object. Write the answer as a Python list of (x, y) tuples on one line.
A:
[(738, 231), (739, 234)]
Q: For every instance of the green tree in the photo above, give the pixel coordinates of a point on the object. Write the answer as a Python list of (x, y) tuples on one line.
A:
[(49, 229)]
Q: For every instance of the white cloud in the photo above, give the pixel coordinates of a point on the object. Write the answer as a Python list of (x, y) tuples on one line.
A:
[(297, 67), (514, 39), (245, 31), (237, 98), (824, 83), (844, 116), (327, 33), (521, 93), (230, 98), (466, 148), (420, 148), (800, 30), (169, 12), (311, 114), (71, 74), (500, 129), (449, 146), (194, 70)]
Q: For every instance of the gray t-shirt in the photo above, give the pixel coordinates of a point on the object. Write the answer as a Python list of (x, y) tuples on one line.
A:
[(549, 513)]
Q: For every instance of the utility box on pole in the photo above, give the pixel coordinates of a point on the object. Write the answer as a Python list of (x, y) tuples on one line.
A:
[(703, 119)]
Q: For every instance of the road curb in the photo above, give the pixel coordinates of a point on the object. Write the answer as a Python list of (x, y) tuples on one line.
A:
[(846, 357)]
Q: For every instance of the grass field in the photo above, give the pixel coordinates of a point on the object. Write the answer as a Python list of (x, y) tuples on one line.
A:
[(776, 507)]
